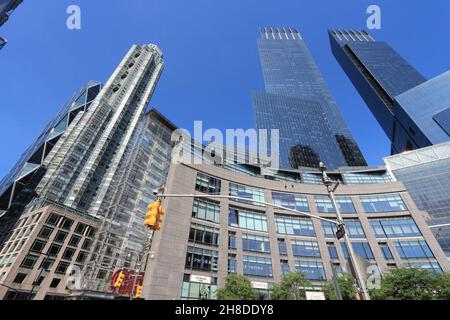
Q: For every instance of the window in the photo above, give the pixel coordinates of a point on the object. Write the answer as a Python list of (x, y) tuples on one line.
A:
[(80, 228), (314, 270), (45, 232), (29, 261), (82, 256), (386, 251), (252, 243), (257, 266), (68, 254), (66, 224), (383, 203), (54, 250), (324, 205), (232, 241), (362, 249), (247, 219), (308, 249), (291, 201), (367, 178), (232, 264), (201, 259), (284, 267), (413, 249), (206, 210), (252, 194), (353, 226), (282, 247), (198, 291), (38, 246), (39, 281), (207, 184), (296, 226), (74, 241), (86, 244), (62, 267), (204, 235), (47, 264), (332, 251), (61, 237), (90, 233), (19, 278), (430, 265), (55, 283), (53, 219), (395, 228)]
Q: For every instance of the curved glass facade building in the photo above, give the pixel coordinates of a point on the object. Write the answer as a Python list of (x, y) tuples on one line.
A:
[(299, 104), (203, 240)]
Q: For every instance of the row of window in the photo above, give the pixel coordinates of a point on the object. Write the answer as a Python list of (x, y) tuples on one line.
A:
[(302, 226), (255, 196), (207, 260)]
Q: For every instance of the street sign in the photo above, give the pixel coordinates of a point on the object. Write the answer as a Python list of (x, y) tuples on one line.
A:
[(200, 279), (260, 285), (314, 295)]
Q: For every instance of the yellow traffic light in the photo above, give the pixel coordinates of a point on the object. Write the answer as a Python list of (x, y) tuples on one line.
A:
[(120, 279), (138, 292), (153, 215)]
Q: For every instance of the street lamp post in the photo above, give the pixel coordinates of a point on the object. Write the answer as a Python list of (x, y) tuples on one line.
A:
[(136, 272), (331, 189), (41, 271)]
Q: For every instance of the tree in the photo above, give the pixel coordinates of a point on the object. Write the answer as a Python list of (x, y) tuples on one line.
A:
[(412, 284), (291, 287), (347, 285), (237, 288)]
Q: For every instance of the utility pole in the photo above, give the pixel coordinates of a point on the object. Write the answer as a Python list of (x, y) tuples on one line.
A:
[(342, 232)]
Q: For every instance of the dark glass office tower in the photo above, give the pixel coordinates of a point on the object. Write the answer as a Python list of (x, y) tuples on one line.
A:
[(299, 104), (412, 111)]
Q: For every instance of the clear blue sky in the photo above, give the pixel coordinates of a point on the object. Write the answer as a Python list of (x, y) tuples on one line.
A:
[(211, 57)]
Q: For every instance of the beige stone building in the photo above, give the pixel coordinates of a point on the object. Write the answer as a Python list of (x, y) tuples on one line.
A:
[(44, 246)]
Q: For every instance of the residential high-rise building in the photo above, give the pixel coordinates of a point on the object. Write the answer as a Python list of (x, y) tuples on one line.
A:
[(299, 104), (90, 158), (414, 112), (426, 175)]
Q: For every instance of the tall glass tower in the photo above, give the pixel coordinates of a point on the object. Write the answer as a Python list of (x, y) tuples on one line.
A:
[(75, 160), (299, 104), (413, 112)]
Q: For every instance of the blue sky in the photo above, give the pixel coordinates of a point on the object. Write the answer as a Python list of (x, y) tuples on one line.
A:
[(210, 52)]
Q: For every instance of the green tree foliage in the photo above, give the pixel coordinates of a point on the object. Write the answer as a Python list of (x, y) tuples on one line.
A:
[(237, 288), (413, 284), (347, 286), (291, 287)]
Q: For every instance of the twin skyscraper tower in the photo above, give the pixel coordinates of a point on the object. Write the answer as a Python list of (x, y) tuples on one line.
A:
[(299, 104), (413, 112)]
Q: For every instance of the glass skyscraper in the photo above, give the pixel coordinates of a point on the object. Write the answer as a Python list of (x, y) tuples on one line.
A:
[(412, 111), (426, 175), (299, 104)]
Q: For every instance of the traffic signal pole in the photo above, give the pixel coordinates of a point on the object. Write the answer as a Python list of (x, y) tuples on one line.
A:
[(352, 257)]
